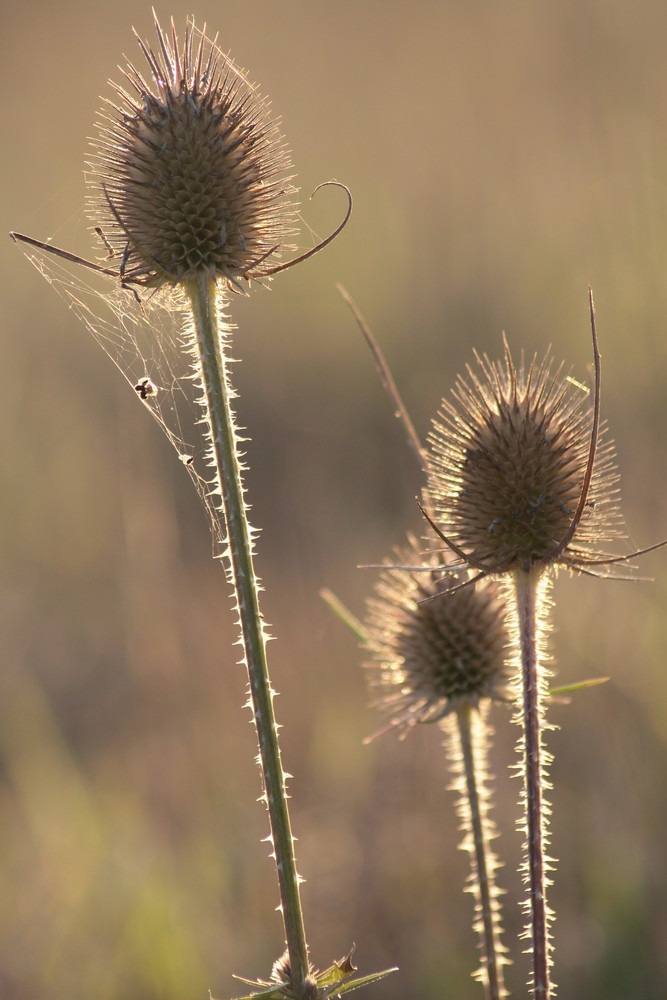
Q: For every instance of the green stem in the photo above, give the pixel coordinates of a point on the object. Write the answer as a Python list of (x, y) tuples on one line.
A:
[(526, 585), (209, 327), (483, 860)]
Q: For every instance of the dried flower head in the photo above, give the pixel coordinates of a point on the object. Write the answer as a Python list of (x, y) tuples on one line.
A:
[(435, 644), (510, 455), (188, 173), (439, 650)]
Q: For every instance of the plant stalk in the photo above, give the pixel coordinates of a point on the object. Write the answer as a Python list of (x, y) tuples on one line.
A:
[(483, 863), (209, 328), (526, 584)]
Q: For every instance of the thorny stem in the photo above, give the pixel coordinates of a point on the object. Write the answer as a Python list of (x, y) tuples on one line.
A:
[(526, 584), (208, 329), (483, 860)]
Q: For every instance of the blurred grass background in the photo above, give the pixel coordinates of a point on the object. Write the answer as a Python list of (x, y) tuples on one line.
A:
[(501, 157)]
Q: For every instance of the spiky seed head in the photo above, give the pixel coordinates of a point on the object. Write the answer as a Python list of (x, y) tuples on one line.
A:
[(508, 455), (435, 645), (189, 173)]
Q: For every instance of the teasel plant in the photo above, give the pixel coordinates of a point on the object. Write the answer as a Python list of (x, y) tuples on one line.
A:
[(190, 191), (523, 482), (436, 644), (437, 653)]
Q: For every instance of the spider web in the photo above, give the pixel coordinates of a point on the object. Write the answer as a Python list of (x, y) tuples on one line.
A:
[(149, 341)]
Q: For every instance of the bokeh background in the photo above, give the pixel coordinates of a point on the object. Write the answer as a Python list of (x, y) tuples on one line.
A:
[(501, 157)]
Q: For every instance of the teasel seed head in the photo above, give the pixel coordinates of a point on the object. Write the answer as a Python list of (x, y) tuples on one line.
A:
[(435, 644), (509, 453), (189, 173)]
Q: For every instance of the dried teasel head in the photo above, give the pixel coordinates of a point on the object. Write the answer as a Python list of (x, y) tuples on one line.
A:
[(435, 644), (189, 174), (522, 476)]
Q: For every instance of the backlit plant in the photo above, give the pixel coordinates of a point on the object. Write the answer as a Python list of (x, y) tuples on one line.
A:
[(523, 481), (438, 654), (190, 195)]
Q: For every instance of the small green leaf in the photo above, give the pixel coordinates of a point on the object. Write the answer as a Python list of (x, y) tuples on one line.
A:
[(343, 613), (338, 980), (577, 686), (357, 984), (270, 993)]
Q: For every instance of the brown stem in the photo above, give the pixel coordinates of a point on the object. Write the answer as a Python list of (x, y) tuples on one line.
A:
[(526, 588), (483, 861)]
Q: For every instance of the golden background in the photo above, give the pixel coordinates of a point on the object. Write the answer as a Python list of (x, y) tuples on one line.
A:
[(501, 156)]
